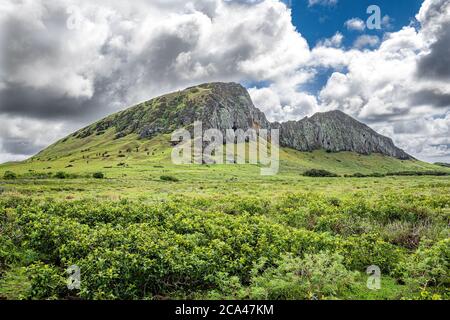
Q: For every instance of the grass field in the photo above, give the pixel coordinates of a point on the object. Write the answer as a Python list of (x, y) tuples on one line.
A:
[(152, 230)]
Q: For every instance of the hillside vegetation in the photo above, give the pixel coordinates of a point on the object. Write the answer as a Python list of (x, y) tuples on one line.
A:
[(146, 229), (109, 200), (300, 245), (131, 155)]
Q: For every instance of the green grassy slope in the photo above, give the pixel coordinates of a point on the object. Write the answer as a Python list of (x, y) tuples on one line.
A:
[(388, 221), (105, 153)]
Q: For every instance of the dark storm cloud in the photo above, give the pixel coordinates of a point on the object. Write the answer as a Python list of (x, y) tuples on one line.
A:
[(436, 65), (132, 76), (157, 60), (49, 104), (385, 117), (44, 103), (24, 42), (431, 97), (409, 127), (17, 146)]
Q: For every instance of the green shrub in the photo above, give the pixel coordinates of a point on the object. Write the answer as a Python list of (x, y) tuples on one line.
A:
[(367, 249), (47, 282), (61, 175), (378, 175), (419, 173), (38, 175), (98, 175), (319, 173), (169, 178), (220, 247), (315, 276), (361, 175), (9, 175), (8, 250), (429, 266)]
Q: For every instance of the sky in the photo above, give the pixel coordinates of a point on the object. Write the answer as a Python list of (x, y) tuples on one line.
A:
[(320, 22), (65, 64)]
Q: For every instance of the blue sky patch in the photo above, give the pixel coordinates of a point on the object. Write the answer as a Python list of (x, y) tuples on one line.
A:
[(318, 21)]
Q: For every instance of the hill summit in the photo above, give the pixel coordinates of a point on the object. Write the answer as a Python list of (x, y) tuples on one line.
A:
[(228, 105)]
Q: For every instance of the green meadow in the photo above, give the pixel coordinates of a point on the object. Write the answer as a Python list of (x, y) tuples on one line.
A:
[(139, 227)]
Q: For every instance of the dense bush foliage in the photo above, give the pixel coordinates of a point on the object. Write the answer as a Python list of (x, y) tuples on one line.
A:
[(169, 178), (319, 173), (98, 175), (315, 276), (401, 173), (61, 175), (9, 175), (419, 173), (361, 175), (300, 246)]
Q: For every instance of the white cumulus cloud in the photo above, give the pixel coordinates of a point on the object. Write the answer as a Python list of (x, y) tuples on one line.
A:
[(65, 64), (355, 24)]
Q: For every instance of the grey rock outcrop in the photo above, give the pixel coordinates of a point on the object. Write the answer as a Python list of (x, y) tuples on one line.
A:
[(335, 131), (228, 106)]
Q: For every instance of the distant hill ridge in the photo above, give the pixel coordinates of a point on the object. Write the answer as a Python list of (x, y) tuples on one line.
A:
[(228, 105)]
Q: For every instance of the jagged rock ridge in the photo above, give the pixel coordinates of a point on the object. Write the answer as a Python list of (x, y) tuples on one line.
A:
[(335, 131), (228, 105)]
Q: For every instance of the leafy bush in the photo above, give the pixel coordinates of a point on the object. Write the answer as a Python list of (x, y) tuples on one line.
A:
[(38, 175), (316, 276), (237, 247), (361, 175), (377, 175), (61, 175), (9, 175), (319, 173), (367, 249), (429, 266), (98, 175), (8, 251), (169, 178), (419, 173), (47, 282)]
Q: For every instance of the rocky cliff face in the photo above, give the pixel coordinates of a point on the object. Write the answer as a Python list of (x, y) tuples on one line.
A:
[(228, 105), (335, 131)]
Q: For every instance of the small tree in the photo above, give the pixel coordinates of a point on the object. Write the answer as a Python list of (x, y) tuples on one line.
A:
[(61, 175), (98, 175), (169, 178), (9, 175)]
